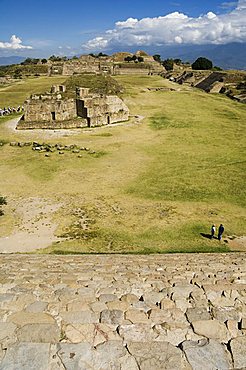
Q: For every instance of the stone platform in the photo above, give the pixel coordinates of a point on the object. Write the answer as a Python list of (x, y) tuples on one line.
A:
[(182, 311)]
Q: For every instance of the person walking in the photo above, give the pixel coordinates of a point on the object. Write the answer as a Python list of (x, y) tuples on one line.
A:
[(213, 230), (220, 231)]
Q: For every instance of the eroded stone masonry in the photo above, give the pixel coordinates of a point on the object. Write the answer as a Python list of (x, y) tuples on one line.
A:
[(55, 110), (123, 312)]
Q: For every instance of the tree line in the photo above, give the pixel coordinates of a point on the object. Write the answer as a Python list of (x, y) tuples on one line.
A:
[(200, 63)]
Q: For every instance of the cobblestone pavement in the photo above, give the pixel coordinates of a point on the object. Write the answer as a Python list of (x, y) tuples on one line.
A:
[(185, 311)]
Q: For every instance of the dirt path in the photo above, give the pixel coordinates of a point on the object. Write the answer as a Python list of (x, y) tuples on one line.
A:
[(237, 243), (34, 227), (12, 123), (44, 134)]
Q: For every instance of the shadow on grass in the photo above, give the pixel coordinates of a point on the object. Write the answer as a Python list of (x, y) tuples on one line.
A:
[(208, 236)]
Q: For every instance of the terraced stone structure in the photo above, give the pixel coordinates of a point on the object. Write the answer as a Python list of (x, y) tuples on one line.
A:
[(54, 110), (113, 65), (123, 312)]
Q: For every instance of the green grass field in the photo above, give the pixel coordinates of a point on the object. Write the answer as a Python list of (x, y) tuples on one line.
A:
[(153, 186), (15, 94)]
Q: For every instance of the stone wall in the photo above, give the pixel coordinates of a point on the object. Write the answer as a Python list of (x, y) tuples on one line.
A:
[(84, 64), (48, 108), (53, 125), (110, 65), (102, 109)]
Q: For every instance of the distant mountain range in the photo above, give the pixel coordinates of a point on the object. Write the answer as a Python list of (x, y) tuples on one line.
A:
[(229, 56), (4, 61)]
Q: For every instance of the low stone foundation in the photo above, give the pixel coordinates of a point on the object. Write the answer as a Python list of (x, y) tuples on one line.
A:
[(53, 125)]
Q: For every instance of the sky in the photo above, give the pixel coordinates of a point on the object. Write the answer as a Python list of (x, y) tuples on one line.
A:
[(72, 27)]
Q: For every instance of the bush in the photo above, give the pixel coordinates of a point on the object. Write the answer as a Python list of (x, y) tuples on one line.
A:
[(2, 202), (202, 64), (157, 58), (168, 64)]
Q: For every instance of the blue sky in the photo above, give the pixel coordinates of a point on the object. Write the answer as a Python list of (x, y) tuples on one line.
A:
[(42, 28)]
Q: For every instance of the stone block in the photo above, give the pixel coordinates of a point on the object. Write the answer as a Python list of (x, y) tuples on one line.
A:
[(129, 298), (80, 317), (136, 316), (91, 333), (107, 298), (137, 332), (198, 313), (37, 307), (23, 318), (156, 355), (7, 333), (212, 329), (238, 348), (207, 355), (31, 356), (39, 333), (112, 317)]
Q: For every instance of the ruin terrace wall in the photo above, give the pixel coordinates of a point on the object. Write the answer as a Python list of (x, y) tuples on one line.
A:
[(104, 110), (40, 110), (50, 111), (77, 67), (53, 125)]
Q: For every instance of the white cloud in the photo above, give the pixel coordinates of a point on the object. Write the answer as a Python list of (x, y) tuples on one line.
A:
[(14, 44), (176, 28)]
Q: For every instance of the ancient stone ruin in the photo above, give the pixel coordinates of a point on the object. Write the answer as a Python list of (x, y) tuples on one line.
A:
[(112, 65), (54, 110)]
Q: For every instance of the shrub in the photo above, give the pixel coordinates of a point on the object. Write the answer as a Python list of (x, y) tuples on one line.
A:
[(168, 64), (202, 64)]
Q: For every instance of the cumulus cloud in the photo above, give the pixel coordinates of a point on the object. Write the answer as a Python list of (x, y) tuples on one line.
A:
[(14, 44), (176, 28)]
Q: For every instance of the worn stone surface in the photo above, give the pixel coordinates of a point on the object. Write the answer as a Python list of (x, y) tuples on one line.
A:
[(123, 312), (238, 348), (207, 355), (153, 355)]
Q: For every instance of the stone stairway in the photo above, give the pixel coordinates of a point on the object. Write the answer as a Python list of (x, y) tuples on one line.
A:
[(182, 311)]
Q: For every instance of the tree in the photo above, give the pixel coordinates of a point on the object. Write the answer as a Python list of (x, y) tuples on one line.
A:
[(102, 55), (17, 74), (177, 61), (140, 59), (157, 58), (43, 61), (202, 64), (168, 64), (30, 61), (128, 58), (55, 58)]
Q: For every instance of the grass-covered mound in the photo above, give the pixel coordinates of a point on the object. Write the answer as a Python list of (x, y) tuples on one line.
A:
[(99, 84)]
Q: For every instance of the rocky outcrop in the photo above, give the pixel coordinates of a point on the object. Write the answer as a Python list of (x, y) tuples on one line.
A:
[(123, 312)]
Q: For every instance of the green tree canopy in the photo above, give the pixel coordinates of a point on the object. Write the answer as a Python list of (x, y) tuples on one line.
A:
[(168, 64), (157, 58), (202, 63)]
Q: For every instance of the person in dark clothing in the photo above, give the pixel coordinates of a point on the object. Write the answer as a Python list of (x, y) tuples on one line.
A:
[(220, 231)]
